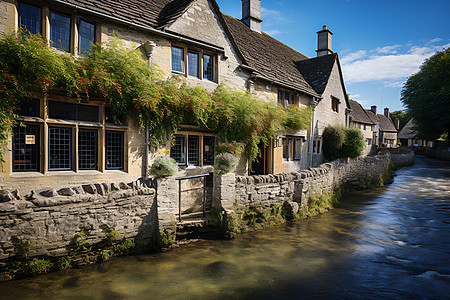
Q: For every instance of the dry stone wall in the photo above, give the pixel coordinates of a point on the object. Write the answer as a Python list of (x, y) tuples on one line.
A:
[(51, 218), (267, 190)]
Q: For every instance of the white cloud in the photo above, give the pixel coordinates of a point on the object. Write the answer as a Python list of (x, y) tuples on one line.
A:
[(392, 68), (394, 84), (435, 40), (273, 32), (272, 13), (388, 49)]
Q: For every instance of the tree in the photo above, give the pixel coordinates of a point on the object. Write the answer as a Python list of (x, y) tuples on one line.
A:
[(402, 116), (426, 96), (354, 143)]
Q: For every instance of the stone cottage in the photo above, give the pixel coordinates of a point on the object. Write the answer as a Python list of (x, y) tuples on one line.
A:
[(359, 119), (67, 142), (385, 130)]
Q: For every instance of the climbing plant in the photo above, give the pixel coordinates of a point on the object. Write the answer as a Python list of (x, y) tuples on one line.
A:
[(123, 79)]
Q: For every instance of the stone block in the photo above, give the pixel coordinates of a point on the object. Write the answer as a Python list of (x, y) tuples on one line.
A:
[(90, 189), (66, 192), (49, 193), (6, 196)]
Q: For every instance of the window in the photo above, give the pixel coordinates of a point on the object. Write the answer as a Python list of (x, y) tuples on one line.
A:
[(87, 149), (199, 149), (72, 111), (292, 148), (193, 150), (335, 104), (114, 150), (193, 63), (29, 18), (368, 141), (208, 150), (29, 108), (177, 150), (286, 99), (86, 36), (208, 67), (25, 148), (177, 60), (59, 149), (190, 62), (60, 31), (316, 146)]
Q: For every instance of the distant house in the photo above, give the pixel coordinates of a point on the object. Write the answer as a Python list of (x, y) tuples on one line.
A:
[(408, 137), (384, 131), (360, 119)]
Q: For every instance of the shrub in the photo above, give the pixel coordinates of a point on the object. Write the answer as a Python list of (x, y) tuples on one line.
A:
[(234, 148), (163, 166), (333, 138), (37, 266), (354, 143), (225, 163)]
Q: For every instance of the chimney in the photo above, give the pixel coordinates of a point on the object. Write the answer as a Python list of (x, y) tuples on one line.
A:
[(386, 112), (324, 42), (396, 123), (251, 14), (374, 109)]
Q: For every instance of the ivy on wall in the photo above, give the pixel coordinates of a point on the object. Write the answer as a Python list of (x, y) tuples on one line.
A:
[(123, 79)]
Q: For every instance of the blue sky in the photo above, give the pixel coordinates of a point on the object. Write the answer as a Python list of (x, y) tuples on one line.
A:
[(380, 43)]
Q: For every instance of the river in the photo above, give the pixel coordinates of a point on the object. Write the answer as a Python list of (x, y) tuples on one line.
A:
[(391, 242)]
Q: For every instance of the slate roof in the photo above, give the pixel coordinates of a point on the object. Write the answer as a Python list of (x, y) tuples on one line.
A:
[(269, 57), (408, 131), (152, 13), (386, 124), (317, 70), (359, 114)]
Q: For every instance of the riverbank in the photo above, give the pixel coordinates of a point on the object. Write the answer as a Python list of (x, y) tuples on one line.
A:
[(398, 232), (72, 227)]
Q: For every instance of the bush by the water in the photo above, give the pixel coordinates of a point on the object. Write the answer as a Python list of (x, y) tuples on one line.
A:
[(225, 163), (333, 139), (354, 143), (341, 142), (163, 166)]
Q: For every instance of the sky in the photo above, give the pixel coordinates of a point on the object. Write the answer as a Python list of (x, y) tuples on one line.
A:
[(380, 43)]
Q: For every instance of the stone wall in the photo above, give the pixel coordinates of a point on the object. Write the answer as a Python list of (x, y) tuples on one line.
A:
[(266, 190), (51, 218), (438, 153), (401, 158)]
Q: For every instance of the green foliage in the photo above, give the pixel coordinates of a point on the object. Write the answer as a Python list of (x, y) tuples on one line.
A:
[(426, 95), (126, 245), (234, 148), (63, 263), (80, 242), (354, 143), (166, 239), (225, 163), (37, 266), (122, 77), (104, 254), (333, 138), (402, 116), (23, 249), (112, 237), (340, 142), (163, 166)]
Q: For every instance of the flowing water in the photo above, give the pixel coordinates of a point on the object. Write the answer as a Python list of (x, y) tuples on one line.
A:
[(392, 242)]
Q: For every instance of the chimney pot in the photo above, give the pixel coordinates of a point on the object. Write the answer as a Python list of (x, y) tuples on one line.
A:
[(251, 14), (324, 41), (373, 108), (386, 112)]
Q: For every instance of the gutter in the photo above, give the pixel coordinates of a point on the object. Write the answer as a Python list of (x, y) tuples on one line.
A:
[(131, 24)]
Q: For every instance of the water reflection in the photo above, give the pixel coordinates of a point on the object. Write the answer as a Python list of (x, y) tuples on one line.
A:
[(387, 243)]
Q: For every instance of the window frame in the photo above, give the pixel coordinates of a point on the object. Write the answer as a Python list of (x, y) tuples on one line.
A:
[(201, 148), (69, 38), (70, 149), (289, 144), (201, 67), (81, 19), (122, 150), (37, 146), (291, 99), (335, 104), (19, 12)]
